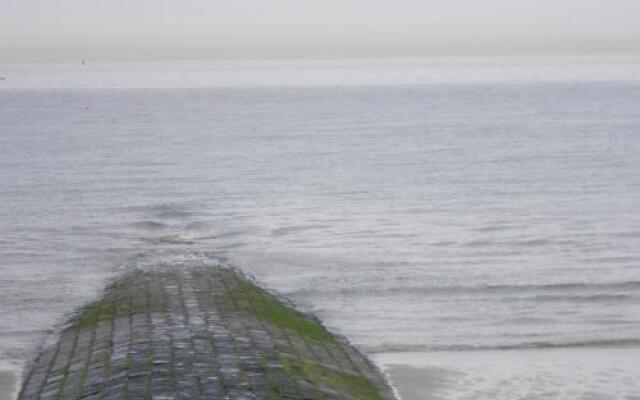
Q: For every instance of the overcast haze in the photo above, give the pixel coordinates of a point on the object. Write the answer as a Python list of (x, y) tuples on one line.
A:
[(143, 29)]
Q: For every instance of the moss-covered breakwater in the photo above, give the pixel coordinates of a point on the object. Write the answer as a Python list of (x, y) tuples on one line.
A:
[(205, 333)]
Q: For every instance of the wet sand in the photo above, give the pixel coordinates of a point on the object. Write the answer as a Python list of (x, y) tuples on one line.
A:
[(418, 383), (595, 373), (7, 385)]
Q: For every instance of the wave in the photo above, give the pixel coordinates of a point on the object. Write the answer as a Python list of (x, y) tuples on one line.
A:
[(164, 211), (224, 235), (610, 289), (629, 234), (296, 228), (568, 285), (167, 239), (149, 225), (540, 242), (596, 343), (584, 298), (612, 260), (496, 228)]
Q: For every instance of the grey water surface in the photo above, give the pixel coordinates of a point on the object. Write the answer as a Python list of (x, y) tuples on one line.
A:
[(434, 217)]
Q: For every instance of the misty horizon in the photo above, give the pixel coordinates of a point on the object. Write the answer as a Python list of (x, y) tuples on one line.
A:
[(35, 30)]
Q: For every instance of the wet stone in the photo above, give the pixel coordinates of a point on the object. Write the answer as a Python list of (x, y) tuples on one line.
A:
[(198, 333)]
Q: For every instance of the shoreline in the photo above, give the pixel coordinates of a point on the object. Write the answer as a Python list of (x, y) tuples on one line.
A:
[(549, 373)]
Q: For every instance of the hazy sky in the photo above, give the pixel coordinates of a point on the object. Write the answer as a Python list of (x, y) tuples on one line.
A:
[(126, 29)]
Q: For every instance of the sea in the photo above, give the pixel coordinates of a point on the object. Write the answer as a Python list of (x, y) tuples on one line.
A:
[(475, 220)]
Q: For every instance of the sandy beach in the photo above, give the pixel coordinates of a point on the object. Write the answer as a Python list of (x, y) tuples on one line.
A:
[(416, 383), (550, 373), (7, 385)]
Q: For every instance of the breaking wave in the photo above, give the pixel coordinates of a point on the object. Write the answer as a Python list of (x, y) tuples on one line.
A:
[(393, 348), (605, 290)]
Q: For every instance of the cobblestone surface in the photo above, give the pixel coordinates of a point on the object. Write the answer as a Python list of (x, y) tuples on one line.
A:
[(205, 333)]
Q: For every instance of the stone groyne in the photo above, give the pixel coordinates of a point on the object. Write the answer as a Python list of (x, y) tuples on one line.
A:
[(204, 333)]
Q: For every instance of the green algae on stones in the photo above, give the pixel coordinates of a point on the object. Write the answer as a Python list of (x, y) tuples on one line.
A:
[(204, 333), (271, 309)]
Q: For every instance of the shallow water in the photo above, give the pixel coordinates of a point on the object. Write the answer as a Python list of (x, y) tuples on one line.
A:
[(567, 374), (431, 213)]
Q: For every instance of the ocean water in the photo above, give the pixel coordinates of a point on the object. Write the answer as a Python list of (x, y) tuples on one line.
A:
[(477, 219)]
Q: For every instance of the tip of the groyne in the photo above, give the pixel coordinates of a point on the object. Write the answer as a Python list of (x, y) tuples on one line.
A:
[(202, 333)]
